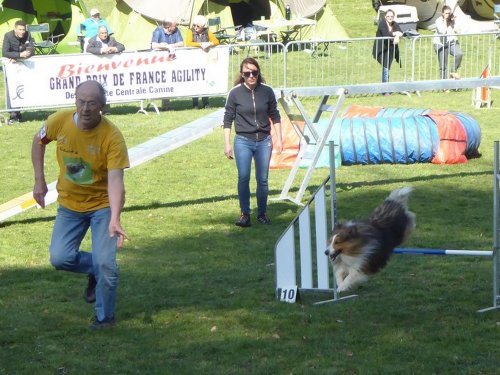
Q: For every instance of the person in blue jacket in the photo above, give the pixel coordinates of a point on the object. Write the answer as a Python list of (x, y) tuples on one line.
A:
[(89, 28)]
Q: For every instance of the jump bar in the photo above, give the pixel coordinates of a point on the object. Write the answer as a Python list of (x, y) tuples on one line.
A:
[(484, 253)]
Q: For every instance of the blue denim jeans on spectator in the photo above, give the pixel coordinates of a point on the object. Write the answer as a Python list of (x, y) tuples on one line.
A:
[(70, 228), (244, 151), (385, 74)]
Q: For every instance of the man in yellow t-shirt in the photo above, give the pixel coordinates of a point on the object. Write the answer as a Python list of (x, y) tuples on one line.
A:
[(92, 155)]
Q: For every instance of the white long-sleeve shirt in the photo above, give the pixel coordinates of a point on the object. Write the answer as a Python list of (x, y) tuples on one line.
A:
[(443, 29)]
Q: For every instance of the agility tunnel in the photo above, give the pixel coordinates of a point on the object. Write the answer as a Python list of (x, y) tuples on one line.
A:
[(375, 135)]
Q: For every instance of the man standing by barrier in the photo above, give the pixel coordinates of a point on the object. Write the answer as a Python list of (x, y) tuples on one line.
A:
[(17, 44), (103, 43), (167, 37), (92, 156)]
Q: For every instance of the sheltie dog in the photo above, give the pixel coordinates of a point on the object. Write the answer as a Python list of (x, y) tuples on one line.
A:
[(360, 248)]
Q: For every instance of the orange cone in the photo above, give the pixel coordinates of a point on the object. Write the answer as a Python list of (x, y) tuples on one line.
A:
[(485, 90)]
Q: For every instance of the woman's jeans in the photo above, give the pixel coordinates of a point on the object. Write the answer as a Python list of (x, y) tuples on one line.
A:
[(244, 150), (385, 74), (69, 230), (443, 52)]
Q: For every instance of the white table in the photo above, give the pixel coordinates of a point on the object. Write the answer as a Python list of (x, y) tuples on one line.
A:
[(288, 29)]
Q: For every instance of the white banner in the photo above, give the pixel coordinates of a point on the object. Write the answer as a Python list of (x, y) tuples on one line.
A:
[(50, 81)]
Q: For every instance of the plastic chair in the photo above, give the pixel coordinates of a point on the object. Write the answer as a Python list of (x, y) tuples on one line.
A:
[(44, 46), (496, 14), (222, 33)]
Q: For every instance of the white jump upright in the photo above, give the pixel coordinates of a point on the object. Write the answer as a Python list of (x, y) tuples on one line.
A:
[(496, 210), (314, 273), (311, 145)]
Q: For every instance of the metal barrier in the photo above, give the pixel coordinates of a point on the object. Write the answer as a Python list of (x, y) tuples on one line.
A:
[(349, 61)]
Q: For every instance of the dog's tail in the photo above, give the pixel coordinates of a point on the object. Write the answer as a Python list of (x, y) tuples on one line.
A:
[(401, 195)]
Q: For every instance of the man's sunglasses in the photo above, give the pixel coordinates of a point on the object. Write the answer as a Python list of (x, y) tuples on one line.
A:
[(253, 73)]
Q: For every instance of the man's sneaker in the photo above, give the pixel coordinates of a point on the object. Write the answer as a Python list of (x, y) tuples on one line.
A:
[(98, 324), (90, 289), (264, 219), (244, 221)]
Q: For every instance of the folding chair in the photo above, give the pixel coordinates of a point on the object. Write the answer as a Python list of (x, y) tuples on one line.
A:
[(222, 33), (44, 46), (289, 35), (496, 17), (496, 13)]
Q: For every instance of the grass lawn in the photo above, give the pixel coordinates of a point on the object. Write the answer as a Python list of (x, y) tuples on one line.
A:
[(196, 293)]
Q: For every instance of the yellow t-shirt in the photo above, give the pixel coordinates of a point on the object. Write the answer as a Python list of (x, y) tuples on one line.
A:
[(84, 159)]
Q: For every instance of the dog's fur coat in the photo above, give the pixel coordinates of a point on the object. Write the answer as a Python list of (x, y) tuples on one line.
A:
[(359, 248)]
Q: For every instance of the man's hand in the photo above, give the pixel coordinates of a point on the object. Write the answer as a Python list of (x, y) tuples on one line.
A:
[(25, 54), (115, 229), (39, 192)]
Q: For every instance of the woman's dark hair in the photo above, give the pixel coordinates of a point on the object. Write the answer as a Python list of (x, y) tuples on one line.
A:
[(390, 11), (445, 7), (251, 61)]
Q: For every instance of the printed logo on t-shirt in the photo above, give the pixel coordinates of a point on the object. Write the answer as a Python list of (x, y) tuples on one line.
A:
[(78, 171)]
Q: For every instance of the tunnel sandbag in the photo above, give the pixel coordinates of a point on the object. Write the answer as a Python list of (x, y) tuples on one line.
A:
[(452, 139), (473, 132)]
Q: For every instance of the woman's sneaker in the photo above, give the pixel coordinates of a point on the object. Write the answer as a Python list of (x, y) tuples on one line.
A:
[(264, 219), (243, 221), (97, 325)]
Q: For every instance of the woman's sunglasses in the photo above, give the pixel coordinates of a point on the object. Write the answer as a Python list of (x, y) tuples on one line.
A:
[(253, 73)]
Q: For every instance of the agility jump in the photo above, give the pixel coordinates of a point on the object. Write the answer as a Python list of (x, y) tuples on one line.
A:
[(313, 268)]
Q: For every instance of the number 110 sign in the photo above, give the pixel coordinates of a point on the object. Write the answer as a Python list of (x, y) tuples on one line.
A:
[(288, 295)]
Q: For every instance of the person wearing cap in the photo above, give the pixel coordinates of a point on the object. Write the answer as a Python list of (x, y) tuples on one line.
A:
[(200, 36), (89, 28)]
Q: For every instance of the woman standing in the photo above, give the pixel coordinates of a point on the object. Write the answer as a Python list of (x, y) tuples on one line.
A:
[(200, 36), (385, 49), (446, 43), (252, 106)]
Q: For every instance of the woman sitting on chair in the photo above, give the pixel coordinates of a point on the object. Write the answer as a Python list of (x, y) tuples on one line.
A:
[(200, 36)]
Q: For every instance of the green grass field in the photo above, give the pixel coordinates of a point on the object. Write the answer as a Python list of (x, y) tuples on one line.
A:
[(196, 293)]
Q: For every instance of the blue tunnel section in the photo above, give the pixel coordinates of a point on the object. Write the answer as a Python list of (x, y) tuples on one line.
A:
[(387, 140), (393, 135)]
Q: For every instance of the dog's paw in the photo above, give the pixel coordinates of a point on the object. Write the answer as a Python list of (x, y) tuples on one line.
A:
[(343, 287)]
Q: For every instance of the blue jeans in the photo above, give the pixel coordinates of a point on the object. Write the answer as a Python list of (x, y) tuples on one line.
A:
[(70, 228), (385, 74), (244, 151), (443, 51)]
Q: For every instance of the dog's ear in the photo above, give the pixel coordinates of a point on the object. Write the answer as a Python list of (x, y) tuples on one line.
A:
[(353, 231), (339, 226)]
